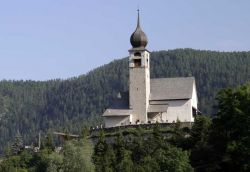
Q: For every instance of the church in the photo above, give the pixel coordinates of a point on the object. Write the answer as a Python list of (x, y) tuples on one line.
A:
[(151, 100)]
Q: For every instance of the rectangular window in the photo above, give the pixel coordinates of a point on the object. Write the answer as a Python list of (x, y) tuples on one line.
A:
[(137, 62)]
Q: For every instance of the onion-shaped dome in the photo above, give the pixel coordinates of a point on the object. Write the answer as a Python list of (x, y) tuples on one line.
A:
[(138, 38)]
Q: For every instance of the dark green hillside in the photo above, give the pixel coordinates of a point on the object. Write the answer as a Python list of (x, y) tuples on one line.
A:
[(212, 70), (30, 106)]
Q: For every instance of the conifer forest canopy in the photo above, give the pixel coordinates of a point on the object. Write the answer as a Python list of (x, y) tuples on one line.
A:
[(68, 105)]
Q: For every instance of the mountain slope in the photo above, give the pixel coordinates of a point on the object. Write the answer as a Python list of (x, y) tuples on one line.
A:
[(30, 106)]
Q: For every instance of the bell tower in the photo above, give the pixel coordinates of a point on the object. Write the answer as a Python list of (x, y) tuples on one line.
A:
[(139, 75)]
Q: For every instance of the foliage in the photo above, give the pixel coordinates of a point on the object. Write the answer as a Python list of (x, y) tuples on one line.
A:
[(218, 144), (17, 145), (151, 154), (55, 162), (230, 133), (201, 151), (76, 156), (223, 143), (48, 142), (103, 156), (30, 106)]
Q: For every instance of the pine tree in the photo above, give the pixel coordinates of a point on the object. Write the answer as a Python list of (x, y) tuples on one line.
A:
[(201, 152), (138, 147), (119, 147), (230, 131), (104, 156), (123, 156), (17, 145)]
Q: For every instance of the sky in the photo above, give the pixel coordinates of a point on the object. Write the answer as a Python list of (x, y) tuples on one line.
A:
[(45, 39)]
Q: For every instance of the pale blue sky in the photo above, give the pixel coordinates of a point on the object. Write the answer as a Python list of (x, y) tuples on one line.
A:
[(48, 39)]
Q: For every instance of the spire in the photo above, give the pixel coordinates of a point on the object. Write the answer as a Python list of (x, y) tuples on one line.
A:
[(138, 38), (138, 18)]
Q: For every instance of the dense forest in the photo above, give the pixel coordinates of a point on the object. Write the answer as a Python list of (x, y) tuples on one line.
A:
[(68, 105), (215, 144)]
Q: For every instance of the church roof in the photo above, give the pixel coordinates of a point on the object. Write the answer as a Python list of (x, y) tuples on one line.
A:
[(119, 106), (160, 89), (171, 88)]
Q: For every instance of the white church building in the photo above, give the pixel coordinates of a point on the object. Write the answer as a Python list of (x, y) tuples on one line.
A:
[(162, 100)]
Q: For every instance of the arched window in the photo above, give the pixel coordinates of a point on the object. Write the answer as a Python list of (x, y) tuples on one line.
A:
[(137, 54)]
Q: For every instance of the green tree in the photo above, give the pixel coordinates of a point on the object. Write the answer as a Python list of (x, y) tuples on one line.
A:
[(171, 158), (126, 164), (55, 162), (201, 151), (123, 156), (40, 161), (48, 142), (119, 147), (25, 159), (87, 150), (17, 145), (138, 147), (200, 129), (103, 156), (178, 137), (74, 158), (230, 135), (157, 139), (149, 164), (7, 151), (85, 132)]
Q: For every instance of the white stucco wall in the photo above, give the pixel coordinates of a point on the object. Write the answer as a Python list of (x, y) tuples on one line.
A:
[(181, 109), (194, 100), (114, 121), (178, 109)]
